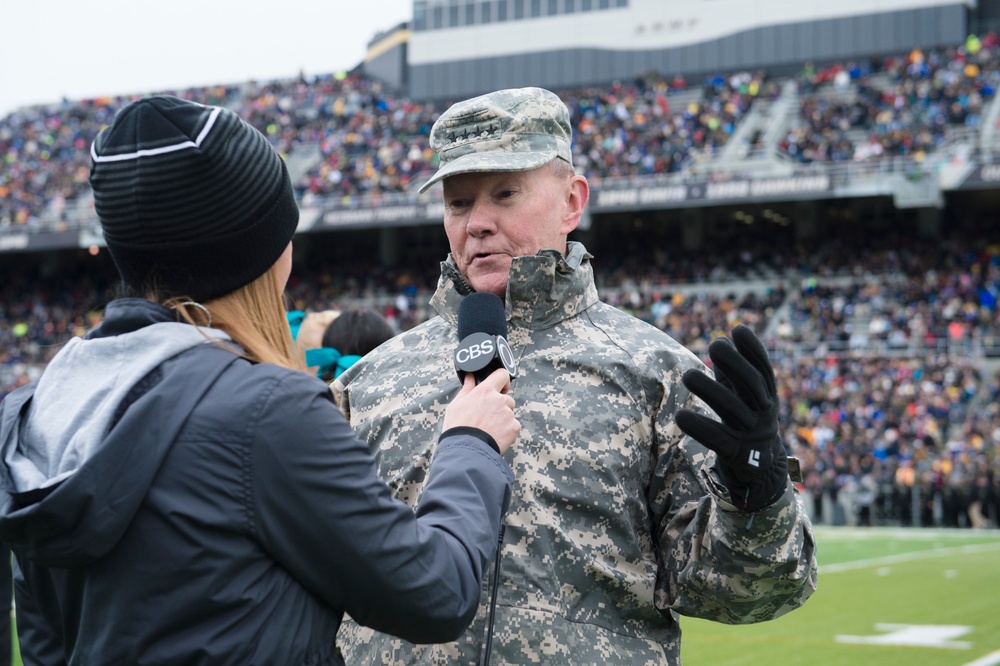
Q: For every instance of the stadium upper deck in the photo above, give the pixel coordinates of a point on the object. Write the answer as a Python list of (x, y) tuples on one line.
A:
[(909, 126)]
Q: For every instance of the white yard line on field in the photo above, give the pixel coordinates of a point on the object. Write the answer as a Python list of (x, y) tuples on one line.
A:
[(992, 659), (845, 533), (909, 557)]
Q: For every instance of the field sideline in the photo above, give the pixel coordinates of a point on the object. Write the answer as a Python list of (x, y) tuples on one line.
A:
[(886, 597)]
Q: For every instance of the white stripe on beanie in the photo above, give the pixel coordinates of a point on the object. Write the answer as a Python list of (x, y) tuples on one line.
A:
[(146, 152)]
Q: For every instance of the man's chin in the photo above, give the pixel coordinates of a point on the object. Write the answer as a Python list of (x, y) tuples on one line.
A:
[(492, 283)]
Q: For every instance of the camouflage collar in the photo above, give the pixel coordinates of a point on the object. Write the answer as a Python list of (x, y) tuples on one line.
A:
[(543, 290)]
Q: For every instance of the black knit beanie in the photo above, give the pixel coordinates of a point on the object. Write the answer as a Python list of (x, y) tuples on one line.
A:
[(192, 200)]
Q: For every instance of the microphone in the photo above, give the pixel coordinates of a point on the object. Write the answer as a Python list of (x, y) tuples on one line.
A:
[(482, 334)]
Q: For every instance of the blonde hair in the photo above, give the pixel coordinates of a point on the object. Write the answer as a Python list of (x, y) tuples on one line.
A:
[(254, 316)]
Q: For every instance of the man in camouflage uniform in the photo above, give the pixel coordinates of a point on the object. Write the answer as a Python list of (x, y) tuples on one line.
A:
[(620, 520)]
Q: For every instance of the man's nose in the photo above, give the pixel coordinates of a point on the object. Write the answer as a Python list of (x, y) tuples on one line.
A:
[(482, 220)]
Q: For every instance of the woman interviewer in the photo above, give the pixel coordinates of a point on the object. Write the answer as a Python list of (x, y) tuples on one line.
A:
[(175, 489)]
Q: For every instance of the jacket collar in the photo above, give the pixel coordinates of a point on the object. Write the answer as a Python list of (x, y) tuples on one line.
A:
[(125, 315), (543, 288)]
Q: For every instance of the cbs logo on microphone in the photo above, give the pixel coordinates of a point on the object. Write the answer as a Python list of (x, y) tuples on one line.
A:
[(480, 350)]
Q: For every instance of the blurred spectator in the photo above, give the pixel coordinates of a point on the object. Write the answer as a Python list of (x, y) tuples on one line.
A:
[(347, 338), (308, 329)]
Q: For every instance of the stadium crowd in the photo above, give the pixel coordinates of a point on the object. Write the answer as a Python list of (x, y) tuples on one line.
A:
[(45, 153), (371, 142), (361, 140), (899, 105), (891, 429), (879, 353)]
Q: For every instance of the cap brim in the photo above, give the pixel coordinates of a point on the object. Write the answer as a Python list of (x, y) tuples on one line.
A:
[(490, 162)]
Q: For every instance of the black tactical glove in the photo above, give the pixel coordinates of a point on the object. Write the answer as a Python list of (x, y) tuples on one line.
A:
[(751, 457)]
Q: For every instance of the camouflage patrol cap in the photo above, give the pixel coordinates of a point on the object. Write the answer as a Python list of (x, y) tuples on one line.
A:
[(507, 130)]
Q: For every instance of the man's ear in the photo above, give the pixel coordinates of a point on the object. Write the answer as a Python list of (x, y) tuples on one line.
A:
[(576, 201)]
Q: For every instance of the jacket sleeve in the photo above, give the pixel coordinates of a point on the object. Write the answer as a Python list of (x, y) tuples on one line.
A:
[(714, 562), (36, 639), (321, 510)]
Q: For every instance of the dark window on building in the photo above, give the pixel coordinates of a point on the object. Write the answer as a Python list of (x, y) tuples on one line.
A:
[(439, 14), (419, 15)]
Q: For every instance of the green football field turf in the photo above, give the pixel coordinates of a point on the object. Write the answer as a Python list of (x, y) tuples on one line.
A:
[(886, 597)]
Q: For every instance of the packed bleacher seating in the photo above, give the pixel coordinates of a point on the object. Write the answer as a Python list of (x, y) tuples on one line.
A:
[(45, 152), (371, 142), (633, 129), (899, 105), (874, 429), (929, 296)]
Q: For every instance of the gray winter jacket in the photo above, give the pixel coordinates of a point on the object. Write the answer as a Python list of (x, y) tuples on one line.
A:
[(169, 502)]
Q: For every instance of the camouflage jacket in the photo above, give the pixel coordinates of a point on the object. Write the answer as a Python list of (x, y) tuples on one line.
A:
[(617, 524)]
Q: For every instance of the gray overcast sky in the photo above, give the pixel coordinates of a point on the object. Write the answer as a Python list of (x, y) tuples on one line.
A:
[(89, 48)]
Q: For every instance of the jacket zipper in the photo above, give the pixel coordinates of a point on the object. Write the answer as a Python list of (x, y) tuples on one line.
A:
[(491, 616)]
